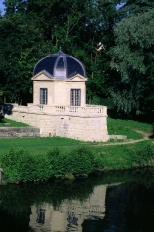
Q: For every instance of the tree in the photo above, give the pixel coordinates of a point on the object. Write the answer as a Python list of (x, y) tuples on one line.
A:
[(32, 29), (21, 45), (133, 58), (83, 29), (135, 6)]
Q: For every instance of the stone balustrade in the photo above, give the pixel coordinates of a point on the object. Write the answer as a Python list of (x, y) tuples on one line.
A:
[(88, 110)]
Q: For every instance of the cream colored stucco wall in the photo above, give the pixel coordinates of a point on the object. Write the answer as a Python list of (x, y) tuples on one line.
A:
[(58, 90), (62, 92), (36, 91)]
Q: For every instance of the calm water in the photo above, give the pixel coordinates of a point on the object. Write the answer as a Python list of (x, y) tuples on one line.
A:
[(122, 202)]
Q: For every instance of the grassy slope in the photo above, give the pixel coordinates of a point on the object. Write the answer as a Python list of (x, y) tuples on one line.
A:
[(38, 145), (118, 156), (128, 128), (12, 123), (115, 126)]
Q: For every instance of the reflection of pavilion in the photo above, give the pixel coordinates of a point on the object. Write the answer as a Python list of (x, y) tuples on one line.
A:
[(69, 215)]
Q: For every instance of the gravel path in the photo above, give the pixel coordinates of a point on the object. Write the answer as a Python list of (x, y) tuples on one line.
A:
[(125, 142), (146, 137)]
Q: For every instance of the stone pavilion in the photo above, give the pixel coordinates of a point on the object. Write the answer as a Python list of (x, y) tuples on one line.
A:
[(59, 101)]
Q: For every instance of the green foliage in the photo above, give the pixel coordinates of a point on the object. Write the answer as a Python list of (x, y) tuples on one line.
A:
[(87, 30), (75, 26), (54, 193), (19, 165), (81, 161), (132, 58), (57, 162), (135, 6), (21, 45), (143, 157)]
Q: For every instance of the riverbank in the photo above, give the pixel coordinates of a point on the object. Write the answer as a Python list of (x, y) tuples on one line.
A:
[(38, 159), (20, 165)]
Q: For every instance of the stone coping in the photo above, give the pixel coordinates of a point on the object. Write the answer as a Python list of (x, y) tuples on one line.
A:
[(118, 137)]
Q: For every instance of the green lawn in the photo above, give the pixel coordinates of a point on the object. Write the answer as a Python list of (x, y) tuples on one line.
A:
[(37, 145), (42, 145), (128, 128), (116, 156), (12, 123)]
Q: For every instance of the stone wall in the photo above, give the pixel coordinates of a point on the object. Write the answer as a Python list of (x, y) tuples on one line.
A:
[(9, 132), (84, 127)]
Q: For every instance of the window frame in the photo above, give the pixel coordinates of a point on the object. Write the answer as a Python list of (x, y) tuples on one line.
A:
[(43, 96), (75, 97)]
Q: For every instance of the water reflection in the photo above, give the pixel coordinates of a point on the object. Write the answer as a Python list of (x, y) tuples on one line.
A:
[(70, 215), (118, 202)]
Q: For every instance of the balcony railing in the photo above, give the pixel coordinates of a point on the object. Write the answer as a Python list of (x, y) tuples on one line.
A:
[(64, 110)]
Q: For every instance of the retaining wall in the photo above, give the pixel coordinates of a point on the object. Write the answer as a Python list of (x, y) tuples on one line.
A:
[(81, 128), (9, 132), (87, 123)]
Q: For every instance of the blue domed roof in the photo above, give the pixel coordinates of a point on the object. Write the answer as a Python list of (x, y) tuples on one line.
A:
[(60, 66)]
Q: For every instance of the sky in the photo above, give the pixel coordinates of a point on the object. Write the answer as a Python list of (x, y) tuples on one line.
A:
[(1, 6)]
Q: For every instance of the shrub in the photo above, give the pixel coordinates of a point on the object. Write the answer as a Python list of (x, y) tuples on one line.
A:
[(144, 156), (20, 165), (81, 161), (56, 162), (33, 168), (9, 164)]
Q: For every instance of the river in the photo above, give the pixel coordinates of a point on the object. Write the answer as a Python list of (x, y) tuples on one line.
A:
[(113, 202)]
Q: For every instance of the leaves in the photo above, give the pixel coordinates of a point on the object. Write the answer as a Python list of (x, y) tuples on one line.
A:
[(115, 46), (33, 29), (132, 58)]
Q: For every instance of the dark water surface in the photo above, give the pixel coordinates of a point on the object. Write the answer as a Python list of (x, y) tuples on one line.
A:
[(115, 202)]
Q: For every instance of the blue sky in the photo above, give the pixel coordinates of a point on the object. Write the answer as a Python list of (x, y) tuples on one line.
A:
[(1, 6)]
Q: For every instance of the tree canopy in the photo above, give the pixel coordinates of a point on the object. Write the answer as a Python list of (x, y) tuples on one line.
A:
[(132, 58), (114, 44)]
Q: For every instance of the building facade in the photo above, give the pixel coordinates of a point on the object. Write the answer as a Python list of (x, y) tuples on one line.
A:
[(59, 101)]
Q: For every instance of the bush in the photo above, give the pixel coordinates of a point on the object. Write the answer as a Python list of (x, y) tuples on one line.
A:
[(10, 166), (21, 166), (81, 161), (57, 162), (144, 156)]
